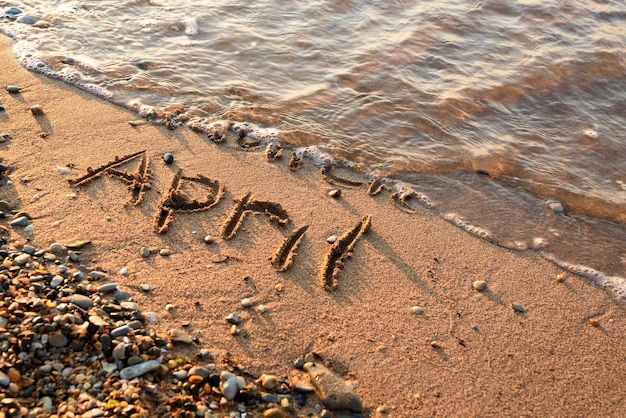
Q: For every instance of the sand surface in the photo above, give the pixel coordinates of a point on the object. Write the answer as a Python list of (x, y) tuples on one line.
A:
[(489, 360)]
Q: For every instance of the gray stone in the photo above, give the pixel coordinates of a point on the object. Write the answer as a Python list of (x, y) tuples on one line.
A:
[(556, 206), (130, 306), (96, 274), (4, 379), (180, 375), (29, 249), (124, 271), (140, 369), (518, 308), (165, 252), (22, 259), (56, 281), (332, 390), (73, 256), (199, 371), (57, 249), (82, 301), (57, 339), (269, 398), (246, 303), (47, 405), (228, 385), (233, 318), (145, 252), (180, 336), (107, 288), (119, 331), (20, 221)]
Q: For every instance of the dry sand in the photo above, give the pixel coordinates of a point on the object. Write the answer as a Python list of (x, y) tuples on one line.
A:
[(490, 360)]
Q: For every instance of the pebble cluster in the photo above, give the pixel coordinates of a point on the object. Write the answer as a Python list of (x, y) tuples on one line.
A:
[(73, 344)]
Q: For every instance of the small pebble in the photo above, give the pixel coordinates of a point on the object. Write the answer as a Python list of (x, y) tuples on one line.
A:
[(417, 310), (246, 303), (335, 193), (13, 89), (124, 271), (145, 287), (209, 239), (168, 158), (518, 308), (331, 239), (145, 252), (19, 221), (165, 252), (556, 206), (261, 309), (269, 381), (36, 109), (479, 285)]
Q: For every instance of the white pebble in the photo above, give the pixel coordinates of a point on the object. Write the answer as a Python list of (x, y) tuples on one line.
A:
[(417, 310), (246, 303)]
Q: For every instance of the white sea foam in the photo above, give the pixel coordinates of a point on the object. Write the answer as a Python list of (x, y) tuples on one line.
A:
[(614, 284), (191, 26), (478, 231)]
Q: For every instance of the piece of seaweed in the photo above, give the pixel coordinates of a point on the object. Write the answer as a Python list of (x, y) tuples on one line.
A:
[(339, 251), (237, 215), (283, 257)]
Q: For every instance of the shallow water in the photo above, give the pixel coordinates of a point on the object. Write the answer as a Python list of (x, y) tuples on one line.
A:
[(493, 110)]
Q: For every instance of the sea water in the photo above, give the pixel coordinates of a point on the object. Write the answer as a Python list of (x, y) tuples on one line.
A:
[(507, 117)]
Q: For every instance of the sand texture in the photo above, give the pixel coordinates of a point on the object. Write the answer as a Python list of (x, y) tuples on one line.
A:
[(468, 354)]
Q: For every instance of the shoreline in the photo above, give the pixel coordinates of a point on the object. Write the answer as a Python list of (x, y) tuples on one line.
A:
[(468, 351)]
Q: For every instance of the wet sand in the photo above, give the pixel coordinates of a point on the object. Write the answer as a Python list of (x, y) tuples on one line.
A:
[(469, 353)]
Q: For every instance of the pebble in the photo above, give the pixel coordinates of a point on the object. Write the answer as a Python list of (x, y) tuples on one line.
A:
[(29, 228), (165, 252), (180, 336), (57, 339), (73, 256), (299, 364), (246, 303), (4, 379), (36, 109), (107, 288), (140, 369), (145, 287), (22, 259), (201, 372), (518, 308), (479, 285), (233, 318), (145, 252), (47, 405), (20, 221), (5, 136), (96, 274), (331, 239), (119, 331), (274, 413), (57, 249), (209, 239), (556, 206), (168, 158), (335, 193), (81, 301), (417, 310), (333, 392), (268, 381), (261, 309), (29, 249), (124, 271), (228, 385), (13, 89)]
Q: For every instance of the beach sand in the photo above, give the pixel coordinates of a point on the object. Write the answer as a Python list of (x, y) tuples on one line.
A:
[(468, 354)]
